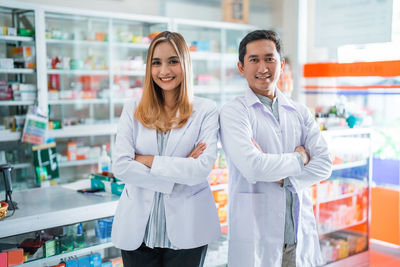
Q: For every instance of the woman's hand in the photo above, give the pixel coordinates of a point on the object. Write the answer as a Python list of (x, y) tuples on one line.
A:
[(197, 151), (145, 159)]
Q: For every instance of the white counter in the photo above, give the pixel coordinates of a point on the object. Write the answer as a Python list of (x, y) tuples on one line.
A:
[(42, 208)]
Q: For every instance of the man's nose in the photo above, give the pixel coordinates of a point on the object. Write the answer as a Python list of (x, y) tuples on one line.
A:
[(262, 67)]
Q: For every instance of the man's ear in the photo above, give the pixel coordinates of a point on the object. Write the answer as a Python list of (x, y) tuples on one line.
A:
[(240, 67), (282, 64)]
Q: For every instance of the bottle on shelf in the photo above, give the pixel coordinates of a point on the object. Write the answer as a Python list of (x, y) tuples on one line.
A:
[(104, 163)]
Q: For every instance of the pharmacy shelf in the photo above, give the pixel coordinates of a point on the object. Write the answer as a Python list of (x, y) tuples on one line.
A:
[(207, 89), (219, 187), (129, 72), (77, 162), (205, 56), (22, 165), (76, 42), (17, 71), (47, 207), (339, 197), (7, 135), (84, 130), (137, 46), (230, 57), (16, 103), (6, 38), (78, 101), (78, 72), (350, 165), (342, 227), (75, 253)]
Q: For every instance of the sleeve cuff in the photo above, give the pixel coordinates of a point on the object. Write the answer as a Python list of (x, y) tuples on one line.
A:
[(300, 160)]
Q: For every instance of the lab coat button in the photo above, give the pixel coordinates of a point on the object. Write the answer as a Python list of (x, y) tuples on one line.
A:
[(166, 197), (281, 214)]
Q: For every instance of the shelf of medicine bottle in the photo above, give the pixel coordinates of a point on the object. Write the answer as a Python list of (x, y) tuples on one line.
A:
[(7, 135), (205, 55), (16, 103), (78, 101), (77, 162), (23, 165), (206, 89), (338, 197), (75, 253), (139, 73), (138, 46), (78, 72), (219, 187), (84, 130), (342, 227), (76, 42), (48, 207), (349, 165), (17, 71), (6, 38)]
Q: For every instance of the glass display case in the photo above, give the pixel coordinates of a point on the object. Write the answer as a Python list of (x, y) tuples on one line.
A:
[(341, 203), (214, 55), (45, 231), (94, 64), (18, 89)]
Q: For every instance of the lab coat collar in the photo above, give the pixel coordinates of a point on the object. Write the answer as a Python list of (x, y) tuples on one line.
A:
[(176, 135), (252, 99)]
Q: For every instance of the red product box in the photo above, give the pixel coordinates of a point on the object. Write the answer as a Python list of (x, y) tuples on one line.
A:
[(15, 257), (3, 259)]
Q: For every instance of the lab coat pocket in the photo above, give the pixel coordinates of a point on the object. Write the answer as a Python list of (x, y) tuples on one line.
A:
[(248, 217)]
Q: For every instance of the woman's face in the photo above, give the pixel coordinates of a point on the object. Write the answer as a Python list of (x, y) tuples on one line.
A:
[(166, 69)]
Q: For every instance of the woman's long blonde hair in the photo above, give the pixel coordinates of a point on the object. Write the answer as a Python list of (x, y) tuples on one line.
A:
[(150, 110)]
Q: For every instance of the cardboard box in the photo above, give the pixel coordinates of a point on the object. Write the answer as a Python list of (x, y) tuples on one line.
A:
[(236, 11), (15, 257)]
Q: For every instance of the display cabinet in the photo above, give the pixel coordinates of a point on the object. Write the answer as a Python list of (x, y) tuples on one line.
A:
[(95, 62), (50, 231), (341, 203), (18, 87), (214, 55)]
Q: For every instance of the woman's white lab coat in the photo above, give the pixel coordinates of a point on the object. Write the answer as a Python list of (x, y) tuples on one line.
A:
[(191, 215)]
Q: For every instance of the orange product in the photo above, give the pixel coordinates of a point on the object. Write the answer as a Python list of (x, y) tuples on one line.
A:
[(15, 256), (221, 197), (71, 151), (100, 36), (222, 214)]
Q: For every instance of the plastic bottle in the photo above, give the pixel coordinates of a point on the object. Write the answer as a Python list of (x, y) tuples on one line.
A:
[(104, 163)]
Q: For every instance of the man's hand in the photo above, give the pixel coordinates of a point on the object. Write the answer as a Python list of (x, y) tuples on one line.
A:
[(303, 153), (145, 159), (197, 151), (256, 145)]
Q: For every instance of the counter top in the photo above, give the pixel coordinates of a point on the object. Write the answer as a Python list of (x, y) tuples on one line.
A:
[(42, 208)]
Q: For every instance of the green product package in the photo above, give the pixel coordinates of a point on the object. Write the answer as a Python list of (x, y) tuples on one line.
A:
[(50, 248)]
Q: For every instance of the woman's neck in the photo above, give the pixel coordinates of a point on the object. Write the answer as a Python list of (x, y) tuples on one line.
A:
[(169, 102)]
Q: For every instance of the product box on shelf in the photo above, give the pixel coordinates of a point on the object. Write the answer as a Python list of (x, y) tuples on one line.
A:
[(107, 182)]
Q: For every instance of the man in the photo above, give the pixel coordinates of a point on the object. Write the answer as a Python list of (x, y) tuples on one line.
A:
[(275, 152)]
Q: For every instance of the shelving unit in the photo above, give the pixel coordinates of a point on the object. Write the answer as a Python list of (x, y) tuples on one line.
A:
[(88, 65), (341, 203), (21, 71)]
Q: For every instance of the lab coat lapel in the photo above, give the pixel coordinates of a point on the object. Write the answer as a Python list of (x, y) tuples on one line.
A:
[(175, 136), (151, 141)]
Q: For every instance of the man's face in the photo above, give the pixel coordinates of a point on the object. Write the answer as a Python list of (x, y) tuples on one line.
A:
[(262, 67)]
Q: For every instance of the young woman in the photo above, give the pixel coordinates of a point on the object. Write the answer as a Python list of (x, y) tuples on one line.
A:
[(165, 148)]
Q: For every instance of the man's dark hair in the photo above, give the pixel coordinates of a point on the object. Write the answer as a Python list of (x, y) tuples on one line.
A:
[(259, 35)]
